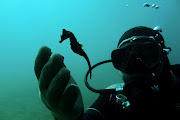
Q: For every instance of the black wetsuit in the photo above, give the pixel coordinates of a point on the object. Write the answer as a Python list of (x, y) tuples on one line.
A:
[(105, 109)]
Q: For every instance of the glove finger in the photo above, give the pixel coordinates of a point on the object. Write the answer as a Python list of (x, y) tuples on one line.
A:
[(49, 71), (69, 98), (57, 85), (41, 59)]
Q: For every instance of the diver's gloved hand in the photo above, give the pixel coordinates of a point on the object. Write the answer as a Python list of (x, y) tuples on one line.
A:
[(59, 91)]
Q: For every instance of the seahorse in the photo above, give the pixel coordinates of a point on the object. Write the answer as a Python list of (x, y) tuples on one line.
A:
[(75, 46)]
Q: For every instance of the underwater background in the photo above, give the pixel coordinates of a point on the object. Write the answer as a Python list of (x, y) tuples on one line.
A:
[(26, 25)]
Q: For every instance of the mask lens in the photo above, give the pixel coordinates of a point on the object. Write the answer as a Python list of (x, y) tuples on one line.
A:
[(148, 53), (119, 58)]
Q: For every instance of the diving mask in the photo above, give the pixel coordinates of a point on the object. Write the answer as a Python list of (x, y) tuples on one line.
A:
[(137, 54)]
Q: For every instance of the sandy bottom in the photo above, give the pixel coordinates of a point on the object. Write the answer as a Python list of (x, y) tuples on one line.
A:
[(23, 103), (23, 108)]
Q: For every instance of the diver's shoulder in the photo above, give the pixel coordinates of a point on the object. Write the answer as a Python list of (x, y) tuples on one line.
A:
[(175, 69)]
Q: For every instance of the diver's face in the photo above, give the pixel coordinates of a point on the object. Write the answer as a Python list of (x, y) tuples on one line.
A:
[(138, 87)]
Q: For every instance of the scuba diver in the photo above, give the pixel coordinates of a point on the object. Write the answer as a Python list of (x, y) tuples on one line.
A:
[(151, 88)]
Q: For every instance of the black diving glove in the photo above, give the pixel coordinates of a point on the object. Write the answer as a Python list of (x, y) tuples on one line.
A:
[(59, 91)]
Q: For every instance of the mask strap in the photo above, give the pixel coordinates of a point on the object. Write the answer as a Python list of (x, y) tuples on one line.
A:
[(133, 38)]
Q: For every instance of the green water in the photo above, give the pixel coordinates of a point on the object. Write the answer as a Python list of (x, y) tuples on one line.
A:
[(26, 25)]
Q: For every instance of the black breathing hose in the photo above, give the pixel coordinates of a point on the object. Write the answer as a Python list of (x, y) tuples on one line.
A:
[(101, 91)]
